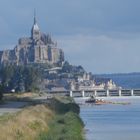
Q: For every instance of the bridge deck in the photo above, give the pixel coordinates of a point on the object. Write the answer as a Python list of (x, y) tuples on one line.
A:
[(98, 93)]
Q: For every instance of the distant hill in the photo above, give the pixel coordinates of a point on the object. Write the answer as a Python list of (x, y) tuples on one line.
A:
[(125, 80)]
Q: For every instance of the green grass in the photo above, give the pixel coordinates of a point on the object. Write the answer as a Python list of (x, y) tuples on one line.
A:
[(64, 127), (66, 124), (64, 105)]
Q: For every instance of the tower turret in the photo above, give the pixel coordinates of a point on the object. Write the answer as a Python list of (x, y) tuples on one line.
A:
[(35, 32)]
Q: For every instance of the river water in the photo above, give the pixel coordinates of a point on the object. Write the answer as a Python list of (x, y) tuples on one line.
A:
[(112, 122)]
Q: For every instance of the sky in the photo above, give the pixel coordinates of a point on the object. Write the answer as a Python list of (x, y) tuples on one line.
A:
[(101, 35)]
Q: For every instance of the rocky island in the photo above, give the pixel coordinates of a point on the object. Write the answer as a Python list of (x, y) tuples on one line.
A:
[(39, 55)]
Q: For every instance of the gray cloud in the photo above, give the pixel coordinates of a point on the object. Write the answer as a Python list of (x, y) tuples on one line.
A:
[(102, 54)]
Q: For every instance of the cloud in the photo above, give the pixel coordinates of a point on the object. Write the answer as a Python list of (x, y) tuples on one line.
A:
[(101, 35), (102, 54)]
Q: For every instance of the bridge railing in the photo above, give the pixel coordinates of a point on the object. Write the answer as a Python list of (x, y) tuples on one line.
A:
[(97, 93)]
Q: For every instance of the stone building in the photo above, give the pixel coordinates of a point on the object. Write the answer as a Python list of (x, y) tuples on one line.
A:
[(39, 48)]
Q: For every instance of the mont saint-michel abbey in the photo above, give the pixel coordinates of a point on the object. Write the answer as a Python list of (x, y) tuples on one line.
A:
[(39, 48)]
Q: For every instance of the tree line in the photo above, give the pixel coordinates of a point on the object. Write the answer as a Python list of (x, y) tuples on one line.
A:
[(19, 78)]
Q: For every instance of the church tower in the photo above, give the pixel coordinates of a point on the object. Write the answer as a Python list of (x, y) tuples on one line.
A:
[(35, 32)]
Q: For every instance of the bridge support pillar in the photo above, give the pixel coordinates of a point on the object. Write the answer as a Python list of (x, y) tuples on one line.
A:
[(132, 92), (95, 93), (71, 94), (83, 93), (120, 92), (107, 93)]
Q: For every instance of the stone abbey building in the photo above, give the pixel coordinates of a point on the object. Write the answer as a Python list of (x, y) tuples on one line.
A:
[(39, 48)]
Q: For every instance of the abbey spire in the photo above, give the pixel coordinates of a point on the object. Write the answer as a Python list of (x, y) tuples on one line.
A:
[(35, 32), (34, 16)]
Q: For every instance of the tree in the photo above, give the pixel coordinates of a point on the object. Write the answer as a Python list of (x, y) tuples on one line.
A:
[(32, 77), (20, 78), (1, 92), (6, 74), (67, 67)]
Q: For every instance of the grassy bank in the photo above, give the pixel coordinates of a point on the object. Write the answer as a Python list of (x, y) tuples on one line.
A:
[(66, 124), (26, 124), (57, 120)]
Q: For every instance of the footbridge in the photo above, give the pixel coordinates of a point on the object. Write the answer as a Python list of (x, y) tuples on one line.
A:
[(97, 93)]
